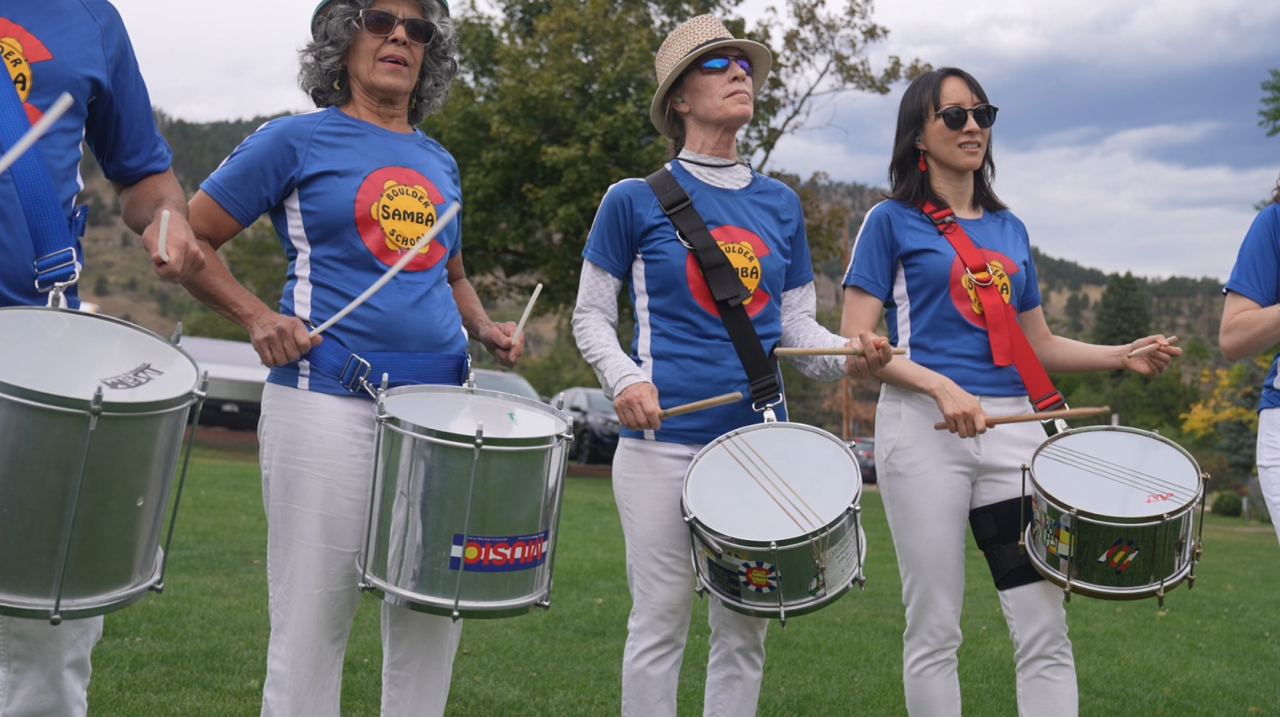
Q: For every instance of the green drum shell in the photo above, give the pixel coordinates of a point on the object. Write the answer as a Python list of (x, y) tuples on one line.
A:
[(1092, 554), (808, 571), (421, 489)]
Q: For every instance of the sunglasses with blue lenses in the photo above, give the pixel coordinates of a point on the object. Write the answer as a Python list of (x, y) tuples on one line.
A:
[(715, 64)]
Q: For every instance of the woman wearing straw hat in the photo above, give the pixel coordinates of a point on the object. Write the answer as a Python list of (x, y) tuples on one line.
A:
[(707, 85), (350, 188)]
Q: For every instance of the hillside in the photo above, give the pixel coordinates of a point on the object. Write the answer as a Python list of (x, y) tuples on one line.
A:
[(119, 278)]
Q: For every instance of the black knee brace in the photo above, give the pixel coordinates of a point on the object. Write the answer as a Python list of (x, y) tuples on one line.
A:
[(997, 528)]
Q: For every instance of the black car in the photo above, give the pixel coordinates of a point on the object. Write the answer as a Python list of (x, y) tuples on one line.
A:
[(595, 424), (865, 451)]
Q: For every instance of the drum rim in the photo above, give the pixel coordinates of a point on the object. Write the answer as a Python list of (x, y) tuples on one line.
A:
[(468, 439), (687, 510), (1180, 508), (43, 398)]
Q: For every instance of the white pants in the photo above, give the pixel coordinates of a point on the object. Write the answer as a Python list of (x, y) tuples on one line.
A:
[(1269, 462), (648, 479), (317, 463), (929, 481), (44, 669)]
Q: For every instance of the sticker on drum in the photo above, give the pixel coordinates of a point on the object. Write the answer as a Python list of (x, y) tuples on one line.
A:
[(71, 355)]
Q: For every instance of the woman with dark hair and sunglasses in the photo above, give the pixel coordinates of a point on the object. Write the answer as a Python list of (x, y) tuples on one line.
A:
[(1251, 325), (349, 189), (934, 482), (683, 352)]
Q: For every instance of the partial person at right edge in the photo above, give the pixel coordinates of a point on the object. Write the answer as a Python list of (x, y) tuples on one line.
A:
[(1251, 325)]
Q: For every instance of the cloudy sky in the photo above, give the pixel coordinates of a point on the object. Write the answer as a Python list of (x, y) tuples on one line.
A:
[(1127, 139)]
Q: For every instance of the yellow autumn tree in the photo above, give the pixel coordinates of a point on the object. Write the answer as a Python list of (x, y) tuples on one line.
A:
[(1229, 414)]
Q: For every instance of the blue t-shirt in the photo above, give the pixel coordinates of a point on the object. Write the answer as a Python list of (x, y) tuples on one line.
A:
[(680, 342), (1256, 276), (76, 46), (347, 198), (900, 258)]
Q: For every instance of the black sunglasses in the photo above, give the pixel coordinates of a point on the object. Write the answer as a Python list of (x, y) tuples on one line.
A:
[(955, 118), (382, 23), (715, 64)]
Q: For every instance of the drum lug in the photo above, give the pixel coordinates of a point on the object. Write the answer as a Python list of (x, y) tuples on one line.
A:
[(544, 604), (176, 338), (364, 587), (157, 588), (1160, 598)]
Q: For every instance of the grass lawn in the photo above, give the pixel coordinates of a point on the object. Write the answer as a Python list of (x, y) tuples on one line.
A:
[(200, 648)]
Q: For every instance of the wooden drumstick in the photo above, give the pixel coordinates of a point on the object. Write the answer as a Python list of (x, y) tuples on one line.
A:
[(164, 236), (704, 403), (837, 351), (1046, 416), (527, 310), (1150, 348)]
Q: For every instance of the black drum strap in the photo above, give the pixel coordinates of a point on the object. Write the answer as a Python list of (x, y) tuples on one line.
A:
[(726, 286), (997, 528)]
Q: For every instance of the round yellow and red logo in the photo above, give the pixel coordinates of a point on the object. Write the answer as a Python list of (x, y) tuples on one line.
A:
[(395, 207), (18, 49), (744, 249), (964, 290)]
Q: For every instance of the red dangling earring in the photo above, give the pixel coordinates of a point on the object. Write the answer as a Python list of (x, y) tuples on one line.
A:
[(923, 167)]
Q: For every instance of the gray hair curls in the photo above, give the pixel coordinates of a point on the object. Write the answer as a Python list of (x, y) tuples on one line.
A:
[(336, 30)]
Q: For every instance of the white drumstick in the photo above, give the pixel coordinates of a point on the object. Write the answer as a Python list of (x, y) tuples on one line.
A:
[(441, 221), (164, 235), (33, 135), (527, 310)]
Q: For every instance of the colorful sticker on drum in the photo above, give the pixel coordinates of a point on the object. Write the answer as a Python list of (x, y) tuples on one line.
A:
[(140, 376), (1119, 556), (818, 585), (758, 576), (1054, 536), (723, 579), (484, 554)]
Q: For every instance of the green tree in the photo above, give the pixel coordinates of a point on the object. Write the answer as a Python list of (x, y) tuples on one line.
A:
[(257, 261), (819, 59), (551, 108), (1123, 314), (1270, 111), (1076, 305), (1228, 415)]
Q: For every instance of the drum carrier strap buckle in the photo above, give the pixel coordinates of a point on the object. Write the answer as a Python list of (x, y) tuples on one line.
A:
[(354, 378)]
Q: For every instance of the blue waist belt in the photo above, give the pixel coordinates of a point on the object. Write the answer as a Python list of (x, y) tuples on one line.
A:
[(364, 371)]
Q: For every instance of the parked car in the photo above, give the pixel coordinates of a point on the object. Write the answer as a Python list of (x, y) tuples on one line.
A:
[(506, 381), (236, 378), (865, 451), (595, 424)]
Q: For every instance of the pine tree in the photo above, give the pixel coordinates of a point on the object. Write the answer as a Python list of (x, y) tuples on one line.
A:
[(1123, 314)]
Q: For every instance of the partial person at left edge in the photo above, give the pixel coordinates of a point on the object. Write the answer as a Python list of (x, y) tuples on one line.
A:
[(79, 47)]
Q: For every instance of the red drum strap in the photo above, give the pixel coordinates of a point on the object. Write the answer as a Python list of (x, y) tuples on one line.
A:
[(1009, 346)]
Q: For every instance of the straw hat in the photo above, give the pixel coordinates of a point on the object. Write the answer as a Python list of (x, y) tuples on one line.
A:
[(689, 42)]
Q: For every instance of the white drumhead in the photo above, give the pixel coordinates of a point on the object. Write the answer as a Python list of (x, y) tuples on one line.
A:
[(449, 409), (773, 481), (1117, 472), (71, 354)]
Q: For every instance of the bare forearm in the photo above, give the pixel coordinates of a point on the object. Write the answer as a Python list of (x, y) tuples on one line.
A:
[(140, 202), (1249, 332), (474, 318), (216, 288), (1064, 355)]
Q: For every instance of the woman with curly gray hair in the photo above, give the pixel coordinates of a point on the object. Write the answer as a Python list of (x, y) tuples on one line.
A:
[(350, 188)]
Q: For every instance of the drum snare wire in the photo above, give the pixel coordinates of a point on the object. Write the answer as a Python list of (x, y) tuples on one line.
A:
[(1111, 471), (817, 516), (754, 477)]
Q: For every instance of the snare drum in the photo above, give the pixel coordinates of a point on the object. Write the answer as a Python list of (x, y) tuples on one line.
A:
[(1113, 512), (466, 501), (774, 519), (92, 413)]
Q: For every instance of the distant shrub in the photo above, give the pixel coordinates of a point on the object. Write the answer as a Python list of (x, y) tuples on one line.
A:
[(1227, 503)]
